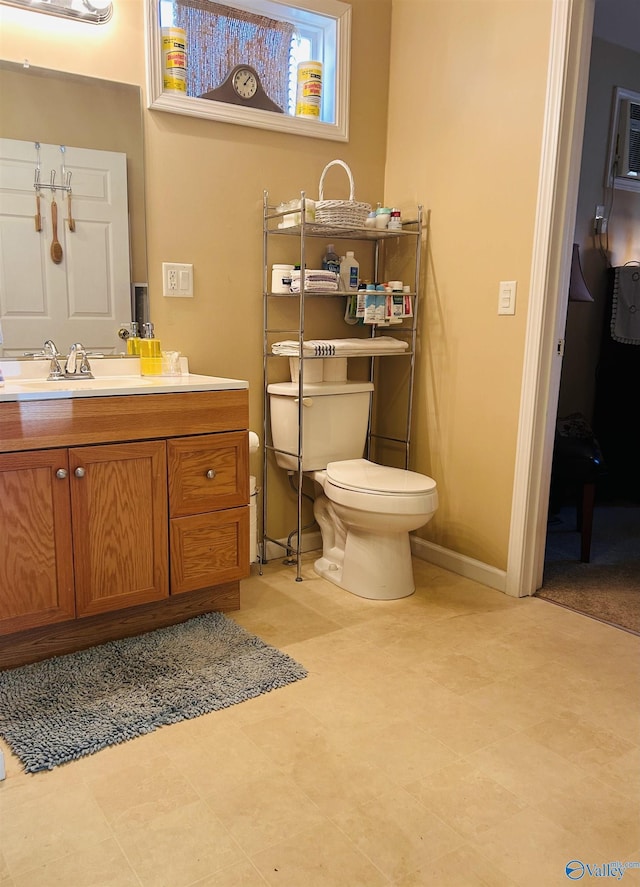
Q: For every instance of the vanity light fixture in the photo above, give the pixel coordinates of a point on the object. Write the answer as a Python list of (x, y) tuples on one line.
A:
[(95, 11)]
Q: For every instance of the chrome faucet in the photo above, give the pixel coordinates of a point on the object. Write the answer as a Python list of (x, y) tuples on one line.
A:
[(78, 363), (50, 350)]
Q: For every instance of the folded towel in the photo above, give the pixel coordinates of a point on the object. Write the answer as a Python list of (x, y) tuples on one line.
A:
[(341, 347), (625, 308), (315, 281)]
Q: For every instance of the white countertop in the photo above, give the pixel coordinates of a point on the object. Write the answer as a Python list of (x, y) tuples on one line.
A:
[(27, 380)]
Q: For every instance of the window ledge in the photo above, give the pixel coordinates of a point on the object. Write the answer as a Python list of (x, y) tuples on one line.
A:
[(225, 113)]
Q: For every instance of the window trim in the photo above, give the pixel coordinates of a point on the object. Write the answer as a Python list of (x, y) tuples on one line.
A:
[(623, 183), (191, 106)]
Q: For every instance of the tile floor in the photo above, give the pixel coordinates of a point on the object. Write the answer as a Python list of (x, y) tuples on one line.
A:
[(455, 738)]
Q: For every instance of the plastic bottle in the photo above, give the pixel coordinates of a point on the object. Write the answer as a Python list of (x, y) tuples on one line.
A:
[(331, 260), (281, 278), (150, 352), (395, 220), (349, 272)]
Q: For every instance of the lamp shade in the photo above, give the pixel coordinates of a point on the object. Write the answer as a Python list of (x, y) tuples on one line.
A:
[(578, 290)]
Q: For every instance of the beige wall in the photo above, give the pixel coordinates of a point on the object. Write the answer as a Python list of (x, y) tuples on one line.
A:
[(465, 137), (464, 130)]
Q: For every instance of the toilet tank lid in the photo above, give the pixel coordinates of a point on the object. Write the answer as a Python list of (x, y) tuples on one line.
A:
[(317, 389), (360, 474)]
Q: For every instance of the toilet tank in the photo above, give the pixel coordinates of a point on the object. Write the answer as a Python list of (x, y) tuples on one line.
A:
[(335, 417)]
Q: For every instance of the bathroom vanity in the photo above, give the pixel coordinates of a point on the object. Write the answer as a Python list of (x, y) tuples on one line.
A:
[(124, 506)]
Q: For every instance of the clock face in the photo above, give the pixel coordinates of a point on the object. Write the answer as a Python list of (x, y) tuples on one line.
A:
[(245, 83)]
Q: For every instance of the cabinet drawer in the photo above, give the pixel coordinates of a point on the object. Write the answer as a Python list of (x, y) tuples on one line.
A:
[(209, 549), (208, 473)]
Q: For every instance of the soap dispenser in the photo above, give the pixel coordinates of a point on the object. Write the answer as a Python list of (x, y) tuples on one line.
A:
[(133, 342), (150, 352)]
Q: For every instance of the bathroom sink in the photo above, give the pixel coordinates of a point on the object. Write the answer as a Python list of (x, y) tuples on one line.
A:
[(27, 380), (88, 384)]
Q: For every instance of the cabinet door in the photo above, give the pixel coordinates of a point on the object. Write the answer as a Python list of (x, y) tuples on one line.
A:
[(209, 549), (119, 505), (36, 561), (208, 472)]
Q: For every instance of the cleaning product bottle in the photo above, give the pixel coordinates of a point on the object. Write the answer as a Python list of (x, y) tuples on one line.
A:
[(349, 272), (133, 342), (331, 260), (150, 352)]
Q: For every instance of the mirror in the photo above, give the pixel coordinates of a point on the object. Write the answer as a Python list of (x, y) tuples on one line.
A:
[(68, 109)]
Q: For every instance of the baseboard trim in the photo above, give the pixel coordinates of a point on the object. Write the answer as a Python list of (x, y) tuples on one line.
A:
[(459, 564), (420, 548)]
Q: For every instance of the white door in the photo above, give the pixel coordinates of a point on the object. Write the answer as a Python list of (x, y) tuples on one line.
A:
[(87, 295)]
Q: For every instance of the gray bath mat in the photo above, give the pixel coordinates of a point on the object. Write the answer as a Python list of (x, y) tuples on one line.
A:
[(70, 706)]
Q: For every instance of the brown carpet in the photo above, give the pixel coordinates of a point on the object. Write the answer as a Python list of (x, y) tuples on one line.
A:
[(608, 588)]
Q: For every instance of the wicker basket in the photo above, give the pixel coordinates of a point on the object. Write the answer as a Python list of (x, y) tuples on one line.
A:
[(340, 213)]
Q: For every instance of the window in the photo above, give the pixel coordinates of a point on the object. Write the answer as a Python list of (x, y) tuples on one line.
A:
[(273, 36), (623, 158)]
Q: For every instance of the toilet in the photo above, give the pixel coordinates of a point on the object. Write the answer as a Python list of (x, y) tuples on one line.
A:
[(365, 511)]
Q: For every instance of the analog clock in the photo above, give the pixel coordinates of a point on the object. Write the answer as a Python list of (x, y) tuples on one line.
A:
[(245, 83), (242, 86)]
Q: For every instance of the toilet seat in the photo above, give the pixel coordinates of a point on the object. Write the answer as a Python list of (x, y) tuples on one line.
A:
[(367, 486)]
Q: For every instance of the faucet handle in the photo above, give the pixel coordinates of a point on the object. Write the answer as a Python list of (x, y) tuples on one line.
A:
[(51, 349), (85, 366), (55, 369)]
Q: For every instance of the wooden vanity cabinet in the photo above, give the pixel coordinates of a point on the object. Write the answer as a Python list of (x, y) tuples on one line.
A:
[(209, 526), (138, 518), (94, 514), (119, 514), (36, 558)]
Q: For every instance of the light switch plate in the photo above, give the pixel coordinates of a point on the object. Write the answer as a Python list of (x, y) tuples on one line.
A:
[(177, 280), (507, 297)]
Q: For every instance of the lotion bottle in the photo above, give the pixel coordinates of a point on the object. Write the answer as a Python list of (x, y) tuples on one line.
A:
[(150, 352)]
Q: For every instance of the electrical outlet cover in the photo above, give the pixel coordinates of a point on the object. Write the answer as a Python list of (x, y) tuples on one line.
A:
[(177, 280)]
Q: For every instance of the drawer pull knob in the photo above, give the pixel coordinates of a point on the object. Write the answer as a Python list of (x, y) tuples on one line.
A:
[(210, 474), (61, 473), (79, 472)]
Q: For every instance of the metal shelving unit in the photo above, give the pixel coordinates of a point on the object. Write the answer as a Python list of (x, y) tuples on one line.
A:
[(379, 240)]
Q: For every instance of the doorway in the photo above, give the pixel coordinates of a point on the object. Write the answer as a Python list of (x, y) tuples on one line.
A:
[(555, 225)]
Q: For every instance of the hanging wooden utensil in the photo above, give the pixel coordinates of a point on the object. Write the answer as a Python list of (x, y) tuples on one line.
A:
[(38, 217), (70, 220), (56, 246)]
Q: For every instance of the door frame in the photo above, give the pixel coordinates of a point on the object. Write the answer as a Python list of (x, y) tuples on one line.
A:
[(567, 84)]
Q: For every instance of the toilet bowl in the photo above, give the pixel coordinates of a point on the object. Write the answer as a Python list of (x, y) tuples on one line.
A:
[(366, 512)]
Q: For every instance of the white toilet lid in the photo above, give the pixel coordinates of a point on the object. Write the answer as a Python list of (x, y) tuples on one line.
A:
[(362, 475)]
